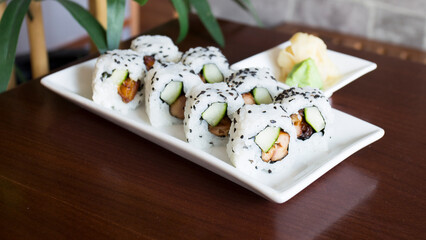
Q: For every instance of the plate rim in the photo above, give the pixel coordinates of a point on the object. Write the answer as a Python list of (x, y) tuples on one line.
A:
[(204, 159)]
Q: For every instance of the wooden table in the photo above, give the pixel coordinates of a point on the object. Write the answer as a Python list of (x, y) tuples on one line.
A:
[(67, 173)]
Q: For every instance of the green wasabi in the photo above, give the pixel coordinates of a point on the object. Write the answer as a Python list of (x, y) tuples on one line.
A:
[(305, 74)]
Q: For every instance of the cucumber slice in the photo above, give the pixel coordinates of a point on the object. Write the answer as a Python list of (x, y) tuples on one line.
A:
[(214, 113), (171, 92), (267, 138), (212, 74), (314, 118), (261, 96), (118, 76)]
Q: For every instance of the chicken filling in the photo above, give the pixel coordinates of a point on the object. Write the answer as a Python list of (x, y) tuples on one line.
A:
[(221, 129), (201, 75), (128, 89), (248, 98), (149, 62), (279, 150), (177, 108), (303, 129)]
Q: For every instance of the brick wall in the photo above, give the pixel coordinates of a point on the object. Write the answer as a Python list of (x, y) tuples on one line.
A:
[(401, 22)]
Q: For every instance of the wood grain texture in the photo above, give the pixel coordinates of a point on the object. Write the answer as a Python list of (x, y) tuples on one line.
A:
[(67, 173)]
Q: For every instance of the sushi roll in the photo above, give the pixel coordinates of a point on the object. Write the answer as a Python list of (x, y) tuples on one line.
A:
[(311, 115), (118, 80), (165, 87), (156, 48), (262, 139), (208, 114), (256, 85), (209, 63)]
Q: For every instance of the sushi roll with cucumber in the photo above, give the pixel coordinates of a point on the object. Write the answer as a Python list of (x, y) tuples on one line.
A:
[(311, 115), (118, 80), (156, 48), (256, 85), (209, 63), (208, 114), (165, 87), (262, 139)]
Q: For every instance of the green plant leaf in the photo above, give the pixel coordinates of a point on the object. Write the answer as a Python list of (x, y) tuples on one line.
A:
[(88, 22), (248, 6), (206, 16), (182, 10), (141, 2), (10, 25), (115, 20)]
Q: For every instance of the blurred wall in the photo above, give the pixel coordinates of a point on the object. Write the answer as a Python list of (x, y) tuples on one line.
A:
[(401, 22)]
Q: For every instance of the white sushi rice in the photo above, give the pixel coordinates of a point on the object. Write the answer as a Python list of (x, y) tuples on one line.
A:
[(197, 57), (105, 91), (248, 122), (199, 99), (246, 79), (160, 47), (294, 99), (157, 78)]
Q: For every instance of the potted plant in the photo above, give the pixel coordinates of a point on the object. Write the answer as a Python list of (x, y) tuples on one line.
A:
[(104, 39)]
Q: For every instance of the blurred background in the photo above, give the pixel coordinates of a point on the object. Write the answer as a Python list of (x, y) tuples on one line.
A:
[(391, 27), (392, 21)]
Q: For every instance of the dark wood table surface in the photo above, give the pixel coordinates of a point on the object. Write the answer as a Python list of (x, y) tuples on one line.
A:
[(68, 173)]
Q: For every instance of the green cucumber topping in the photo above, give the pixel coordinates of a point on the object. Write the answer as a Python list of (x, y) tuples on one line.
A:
[(314, 118), (267, 138), (212, 74), (214, 113), (171, 92), (261, 96), (118, 76)]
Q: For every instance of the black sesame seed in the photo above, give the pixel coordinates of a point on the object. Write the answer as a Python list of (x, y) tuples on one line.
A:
[(202, 92)]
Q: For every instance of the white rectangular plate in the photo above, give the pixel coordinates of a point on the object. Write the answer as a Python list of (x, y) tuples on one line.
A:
[(349, 67), (349, 135)]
